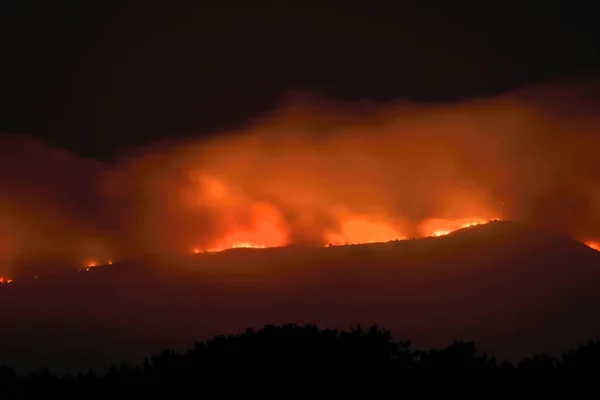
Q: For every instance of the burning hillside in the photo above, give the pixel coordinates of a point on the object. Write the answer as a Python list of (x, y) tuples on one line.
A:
[(512, 288), (431, 229), (312, 172)]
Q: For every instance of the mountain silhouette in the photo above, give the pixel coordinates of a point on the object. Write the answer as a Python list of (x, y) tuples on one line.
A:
[(514, 290)]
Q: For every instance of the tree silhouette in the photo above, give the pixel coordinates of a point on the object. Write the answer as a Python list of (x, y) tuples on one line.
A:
[(298, 357)]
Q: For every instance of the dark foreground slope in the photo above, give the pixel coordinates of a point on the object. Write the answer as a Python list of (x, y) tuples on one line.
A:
[(513, 290)]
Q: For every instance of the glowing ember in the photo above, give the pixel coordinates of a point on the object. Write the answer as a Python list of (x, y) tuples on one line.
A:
[(593, 244), (4, 280), (93, 264)]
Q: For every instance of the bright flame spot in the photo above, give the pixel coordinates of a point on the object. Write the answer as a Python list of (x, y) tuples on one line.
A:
[(4, 280), (593, 245), (470, 224), (248, 246), (196, 251), (110, 263), (240, 245), (439, 227)]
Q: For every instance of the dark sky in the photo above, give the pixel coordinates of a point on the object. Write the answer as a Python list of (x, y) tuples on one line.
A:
[(100, 77)]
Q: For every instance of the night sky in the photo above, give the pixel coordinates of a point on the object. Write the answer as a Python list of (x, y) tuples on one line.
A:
[(99, 78)]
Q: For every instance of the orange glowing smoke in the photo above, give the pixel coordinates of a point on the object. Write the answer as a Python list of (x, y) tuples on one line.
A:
[(264, 228), (4, 280), (311, 171), (355, 230)]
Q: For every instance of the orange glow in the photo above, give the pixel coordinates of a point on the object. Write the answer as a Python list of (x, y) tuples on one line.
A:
[(93, 264), (439, 227), (4, 280), (247, 246), (265, 228), (239, 246), (228, 244), (309, 171), (593, 244), (363, 230)]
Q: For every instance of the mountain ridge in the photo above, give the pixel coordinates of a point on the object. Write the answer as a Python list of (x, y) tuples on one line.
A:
[(511, 288)]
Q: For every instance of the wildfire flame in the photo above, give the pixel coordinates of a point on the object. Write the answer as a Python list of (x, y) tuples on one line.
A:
[(439, 227), (440, 232), (92, 264), (311, 171), (363, 230), (353, 231)]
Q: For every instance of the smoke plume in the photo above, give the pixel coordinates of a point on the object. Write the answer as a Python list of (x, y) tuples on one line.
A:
[(312, 171)]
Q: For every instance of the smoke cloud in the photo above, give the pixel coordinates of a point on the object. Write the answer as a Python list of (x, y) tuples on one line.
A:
[(313, 171)]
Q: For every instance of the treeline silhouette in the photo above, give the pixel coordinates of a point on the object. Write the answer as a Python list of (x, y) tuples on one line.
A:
[(296, 355)]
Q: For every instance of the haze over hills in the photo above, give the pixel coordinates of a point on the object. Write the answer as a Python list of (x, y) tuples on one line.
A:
[(310, 170), (511, 288)]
